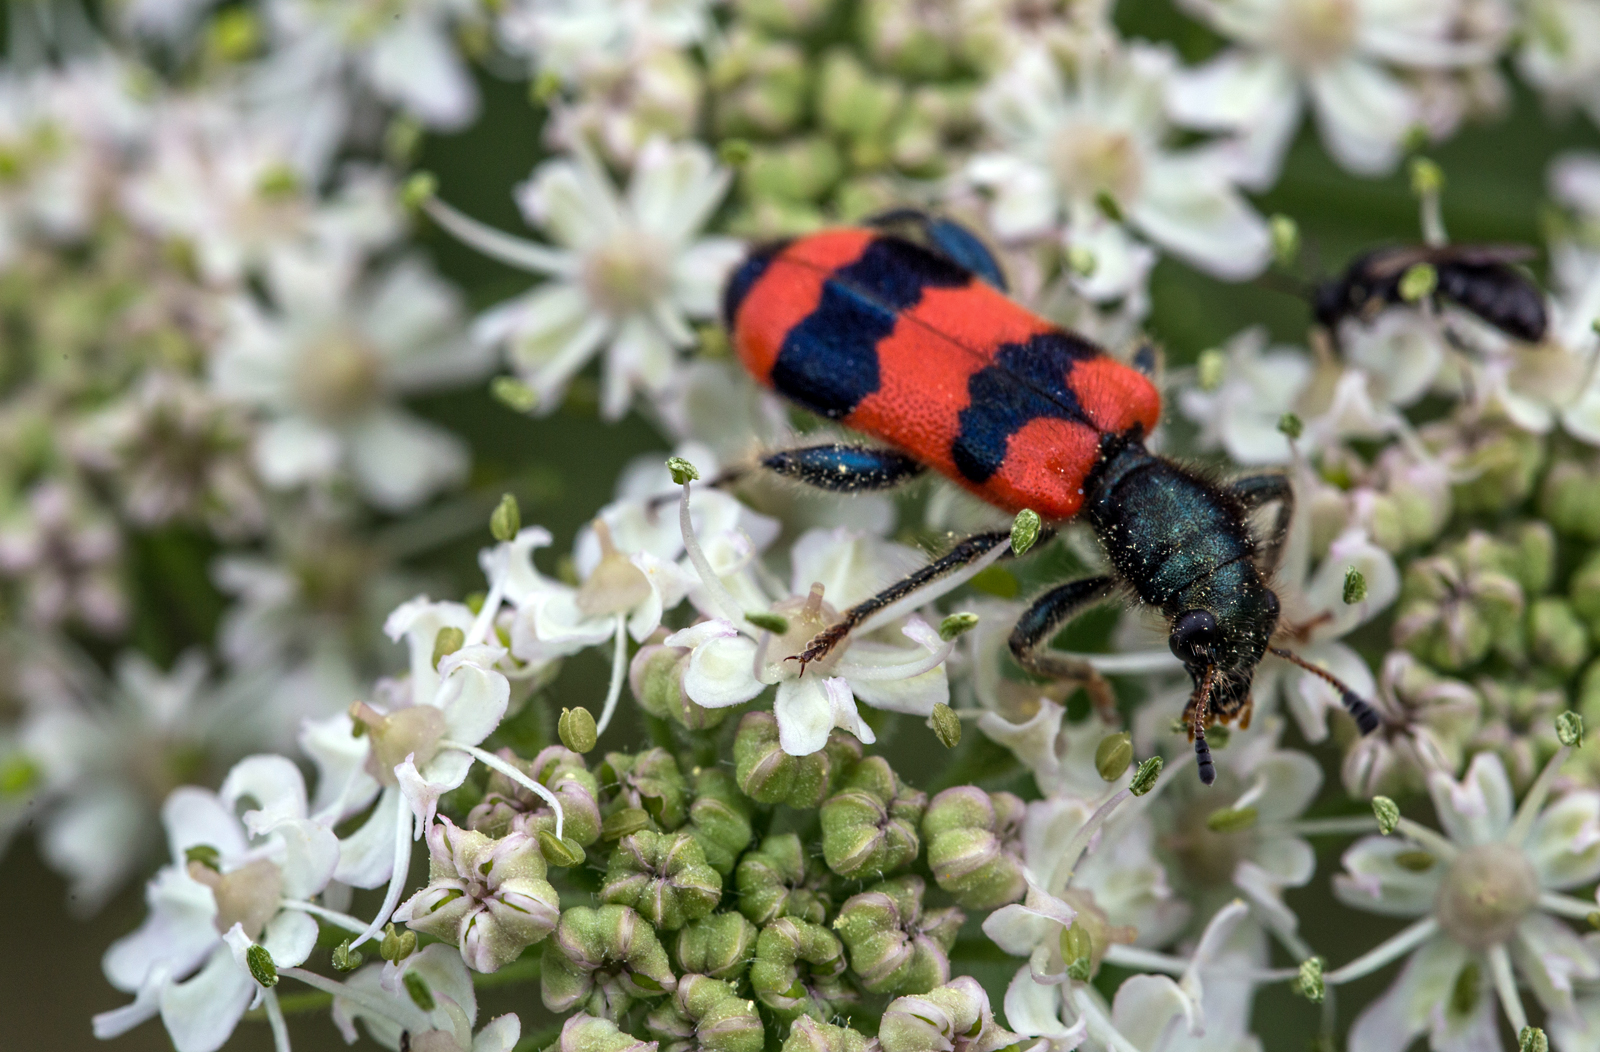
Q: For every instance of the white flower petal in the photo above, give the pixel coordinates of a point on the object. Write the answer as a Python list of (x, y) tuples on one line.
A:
[(400, 460), (805, 715), (1477, 809), (176, 935), (1564, 843), (201, 1013), (721, 670)]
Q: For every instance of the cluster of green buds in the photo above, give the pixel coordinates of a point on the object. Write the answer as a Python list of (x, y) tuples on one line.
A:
[(811, 901)]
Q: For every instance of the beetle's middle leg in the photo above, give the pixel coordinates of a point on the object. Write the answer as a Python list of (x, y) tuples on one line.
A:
[(1030, 639)]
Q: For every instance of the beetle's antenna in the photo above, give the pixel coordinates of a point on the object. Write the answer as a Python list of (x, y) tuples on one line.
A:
[(1202, 710), (1366, 716)]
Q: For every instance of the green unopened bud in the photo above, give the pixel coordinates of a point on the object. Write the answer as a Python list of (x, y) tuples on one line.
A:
[(1414, 861), (870, 826), (1113, 755), (1025, 530), (1308, 983), (682, 471), (506, 520), (1418, 282), (345, 959), (204, 854), (1532, 1039), (1077, 951), (769, 775), (1387, 812), (777, 624), (1569, 729), (956, 625), (564, 852), (447, 642), (1081, 261), (1291, 426), (1231, 819), (1211, 368), (262, 968), (1355, 586), (1558, 640), (417, 988), (1108, 206), (720, 946), (1285, 239), (513, 393), (625, 822), (397, 945), (946, 725), (735, 153), (418, 188), (1144, 779), (546, 86), (576, 729), (1426, 177)]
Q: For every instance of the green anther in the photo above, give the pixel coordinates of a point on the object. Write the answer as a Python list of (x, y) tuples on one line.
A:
[(1569, 729), (1113, 755), (506, 520), (1210, 368), (417, 987), (1231, 819), (682, 471), (1594, 919), (1291, 426), (1108, 206), (1309, 982), (1025, 530), (345, 959), (1077, 950), (19, 775), (1387, 812), (564, 852), (1285, 239), (1418, 282), (449, 640), (1426, 177), (1532, 1039), (546, 86), (204, 854), (946, 725), (735, 153), (1144, 779), (1082, 261), (1355, 586), (957, 625), (397, 945), (777, 624), (514, 394), (576, 729), (418, 189), (623, 823), (1414, 861), (260, 963)]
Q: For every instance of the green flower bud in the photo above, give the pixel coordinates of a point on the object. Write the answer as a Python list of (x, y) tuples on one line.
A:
[(656, 678), (623, 823), (508, 807), (1498, 472), (1584, 591), (798, 970), (782, 879), (1113, 755), (1457, 607), (946, 725), (506, 520), (262, 967), (448, 640), (1528, 554), (808, 1035), (345, 959), (584, 1033), (1569, 729), (664, 876), (760, 87), (1309, 983), (974, 846), (720, 946), (1387, 812), (576, 728), (682, 471), (706, 1015), (800, 170), (1144, 779), (894, 946), (601, 960), (719, 819), (650, 781), (1569, 500), (1025, 530), (954, 1017), (396, 945), (1557, 639), (769, 775), (869, 828), (564, 852)]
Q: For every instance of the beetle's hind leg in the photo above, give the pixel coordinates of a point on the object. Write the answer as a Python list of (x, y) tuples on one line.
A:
[(835, 467), (1039, 624)]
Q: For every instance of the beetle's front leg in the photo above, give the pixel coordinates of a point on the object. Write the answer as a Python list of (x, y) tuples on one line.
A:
[(1040, 623), (1256, 491)]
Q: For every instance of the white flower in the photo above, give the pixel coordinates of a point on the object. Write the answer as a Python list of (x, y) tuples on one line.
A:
[(1066, 147), (1060, 756), (447, 1026), (229, 880), (1560, 52), (1573, 345), (326, 365), (66, 554), (1487, 896), (1344, 56), (1425, 722), (629, 276), (584, 39), (1259, 385)]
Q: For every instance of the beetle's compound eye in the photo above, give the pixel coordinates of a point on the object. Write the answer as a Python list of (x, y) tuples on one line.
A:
[(1194, 637)]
